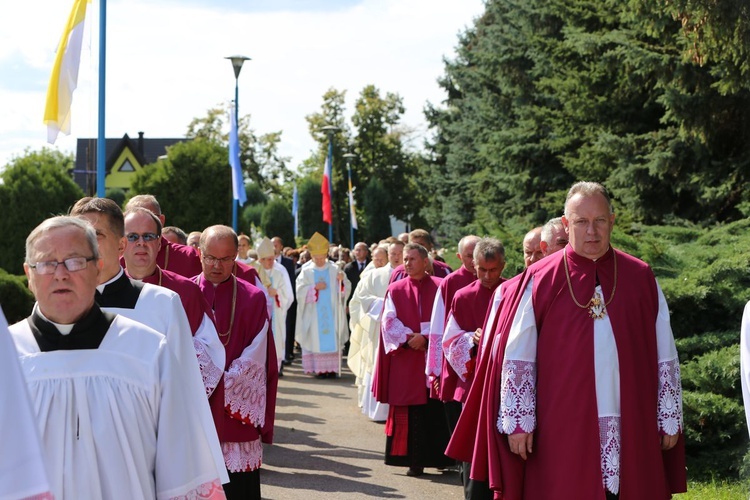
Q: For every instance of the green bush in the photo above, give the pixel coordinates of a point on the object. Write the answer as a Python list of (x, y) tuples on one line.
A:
[(717, 372), (15, 297), (277, 220), (117, 195), (251, 216), (715, 433), (697, 345)]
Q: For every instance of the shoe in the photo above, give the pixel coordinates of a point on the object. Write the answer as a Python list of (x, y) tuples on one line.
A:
[(281, 373), (415, 471)]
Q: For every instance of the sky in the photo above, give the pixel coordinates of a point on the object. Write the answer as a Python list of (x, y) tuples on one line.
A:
[(165, 63)]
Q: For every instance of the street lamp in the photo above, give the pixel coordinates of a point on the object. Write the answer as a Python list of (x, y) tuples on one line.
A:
[(237, 62), (349, 157), (329, 131)]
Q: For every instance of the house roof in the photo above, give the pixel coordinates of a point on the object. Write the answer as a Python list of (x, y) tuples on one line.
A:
[(145, 150)]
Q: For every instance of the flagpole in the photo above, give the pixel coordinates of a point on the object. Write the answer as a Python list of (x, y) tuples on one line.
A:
[(235, 202), (349, 157), (295, 211), (237, 62), (100, 141)]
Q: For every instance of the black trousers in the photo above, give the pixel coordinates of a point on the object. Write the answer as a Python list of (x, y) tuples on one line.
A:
[(243, 485), (474, 490), (291, 322), (427, 439)]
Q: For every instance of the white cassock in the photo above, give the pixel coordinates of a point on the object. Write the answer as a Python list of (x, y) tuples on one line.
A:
[(745, 360), (365, 309), (22, 470), (113, 422), (288, 285), (280, 282), (161, 309)]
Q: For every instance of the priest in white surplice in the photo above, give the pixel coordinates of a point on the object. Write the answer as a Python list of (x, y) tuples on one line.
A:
[(113, 422), (365, 310), (280, 291), (154, 306), (22, 473)]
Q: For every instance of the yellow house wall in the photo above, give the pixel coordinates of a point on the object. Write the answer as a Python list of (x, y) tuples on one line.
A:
[(122, 180)]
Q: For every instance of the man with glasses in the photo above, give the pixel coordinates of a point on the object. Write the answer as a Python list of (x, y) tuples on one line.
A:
[(154, 306), (248, 390), (180, 259), (113, 422), (143, 232)]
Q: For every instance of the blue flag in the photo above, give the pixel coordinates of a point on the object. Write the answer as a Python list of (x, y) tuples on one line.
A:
[(295, 210), (238, 181)]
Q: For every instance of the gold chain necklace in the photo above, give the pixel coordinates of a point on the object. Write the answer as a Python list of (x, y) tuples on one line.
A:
[(166, 256), (228, 335), (596, 307)]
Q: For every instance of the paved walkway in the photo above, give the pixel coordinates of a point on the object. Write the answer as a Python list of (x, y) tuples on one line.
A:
[(325, 448)]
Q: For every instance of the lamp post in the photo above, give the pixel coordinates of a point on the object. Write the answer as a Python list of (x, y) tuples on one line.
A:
[(349, 157), (329, 131), (237, 62)]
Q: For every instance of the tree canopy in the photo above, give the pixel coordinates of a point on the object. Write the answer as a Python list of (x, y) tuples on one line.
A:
[(192, 184), (379, 143), (635, 95), (34, 187)]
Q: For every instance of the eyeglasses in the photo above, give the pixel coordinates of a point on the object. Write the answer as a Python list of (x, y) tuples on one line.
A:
[(210, 260), (72, 264), (147, 237)]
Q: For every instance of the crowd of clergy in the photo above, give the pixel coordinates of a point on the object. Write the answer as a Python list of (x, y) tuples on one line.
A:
[(150, 363)]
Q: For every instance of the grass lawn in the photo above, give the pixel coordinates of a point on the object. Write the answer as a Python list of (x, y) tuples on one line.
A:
[(715, 490)]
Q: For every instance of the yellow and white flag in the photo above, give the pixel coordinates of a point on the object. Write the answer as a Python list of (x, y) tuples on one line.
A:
[(64, 77)]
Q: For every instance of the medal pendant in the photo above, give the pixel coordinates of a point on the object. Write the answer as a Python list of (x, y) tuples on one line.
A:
[(597, 309)]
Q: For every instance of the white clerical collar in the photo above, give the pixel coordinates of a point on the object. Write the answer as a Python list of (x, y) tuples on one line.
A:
[(100, 288), (63, 329)]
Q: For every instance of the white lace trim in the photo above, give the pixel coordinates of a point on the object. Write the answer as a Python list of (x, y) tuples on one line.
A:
[(245, 391), (208, 491), (394, 333), (242, 457), (210, 373), (320, 362), (517, 397), (609, 442), (434, 362), (458, 354), (670, 397)]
